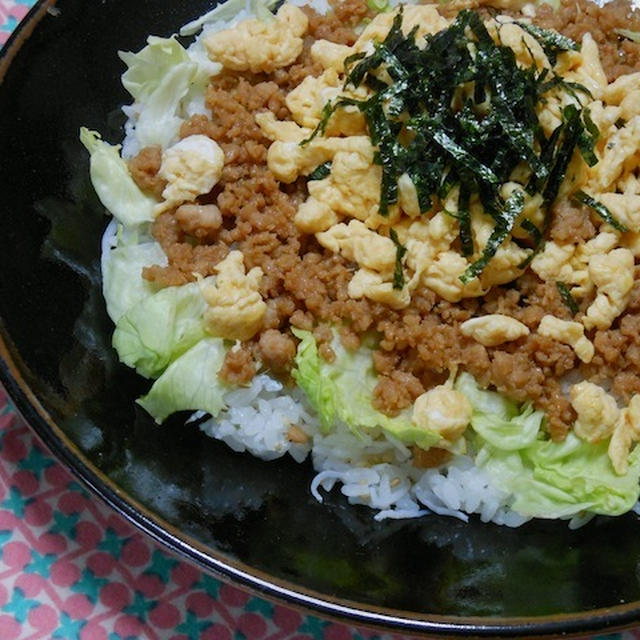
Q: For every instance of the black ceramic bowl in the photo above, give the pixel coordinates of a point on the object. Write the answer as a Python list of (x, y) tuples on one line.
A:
[(252, 522)]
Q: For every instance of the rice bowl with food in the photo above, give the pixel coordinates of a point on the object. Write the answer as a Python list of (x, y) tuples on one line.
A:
[(399, 240)]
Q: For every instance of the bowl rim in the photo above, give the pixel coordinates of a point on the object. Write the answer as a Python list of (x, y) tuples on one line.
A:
[(14, 376)]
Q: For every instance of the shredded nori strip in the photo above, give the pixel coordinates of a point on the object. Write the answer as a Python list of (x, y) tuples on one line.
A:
[(532, 230), (327, 111), (600, 209), (458, 109), (320, 172), (398, 272), (552, 42), (513, 208), (464, 218), (591, 126), (567, 299)]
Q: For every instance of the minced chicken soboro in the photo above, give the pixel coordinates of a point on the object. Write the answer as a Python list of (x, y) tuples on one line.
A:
[(305, 285)]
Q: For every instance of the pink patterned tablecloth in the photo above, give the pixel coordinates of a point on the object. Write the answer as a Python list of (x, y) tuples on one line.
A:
[(72, 569)]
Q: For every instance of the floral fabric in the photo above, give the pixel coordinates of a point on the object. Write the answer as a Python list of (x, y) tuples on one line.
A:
[(11, 12), (71, 569)]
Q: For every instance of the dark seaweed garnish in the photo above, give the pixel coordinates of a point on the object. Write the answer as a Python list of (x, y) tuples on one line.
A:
[(320, 172), (458, 110), (600, 209), (567, 299), (398, 273)]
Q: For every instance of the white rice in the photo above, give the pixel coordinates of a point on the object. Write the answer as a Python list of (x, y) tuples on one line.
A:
[(258, 420), (371, 469)]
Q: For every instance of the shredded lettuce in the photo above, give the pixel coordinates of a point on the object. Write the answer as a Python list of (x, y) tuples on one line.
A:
[(343, 390), (160, 328), (122, 283), (547, 479), (189, 383), (160, 77), (228, 11), (555, 4), (146, 68), (511, 434), (484, 401), (634, 36), (380, 6), (559, 480), (113, 183)]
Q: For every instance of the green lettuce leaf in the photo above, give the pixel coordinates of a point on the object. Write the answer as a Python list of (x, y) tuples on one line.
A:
[(547, 479), (484, 401), (343, 390), (146, 68), (159, 123), (160, 77), (227, 11), (113, 183), (509, 435), (559, 480), (160, 328), (189, 383), (122, 283)]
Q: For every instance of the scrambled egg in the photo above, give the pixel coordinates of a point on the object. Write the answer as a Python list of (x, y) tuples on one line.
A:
[(375, 255), (625, 433), (624, 206), (308, 99), (330, 55), (443, 274), (356, 242), (282, 130), (191, 167), (236, 308), (571, 333), (408, 196), (288, 160), (505, 265), (314, 216), (612, 274), (619, 153), (443, 410), (597, 411), (525, 47), (494, 329), (353, 186), (554, 262), (371, 284), (600, 265), (425, 18), (259, 46), (584, 67)]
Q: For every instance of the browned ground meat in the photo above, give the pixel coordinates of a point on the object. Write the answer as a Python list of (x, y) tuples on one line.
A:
[(277, 350), (570, 223), (618, 55), (336, 26), (305, 286), (144, 170), (200, 221), (429, 458), (238, 367), (396, 392)]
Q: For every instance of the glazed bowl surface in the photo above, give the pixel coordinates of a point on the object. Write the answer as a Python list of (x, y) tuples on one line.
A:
[(251, 522)]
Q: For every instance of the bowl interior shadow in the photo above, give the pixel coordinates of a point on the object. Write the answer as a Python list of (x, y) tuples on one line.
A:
[(54, 325)]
